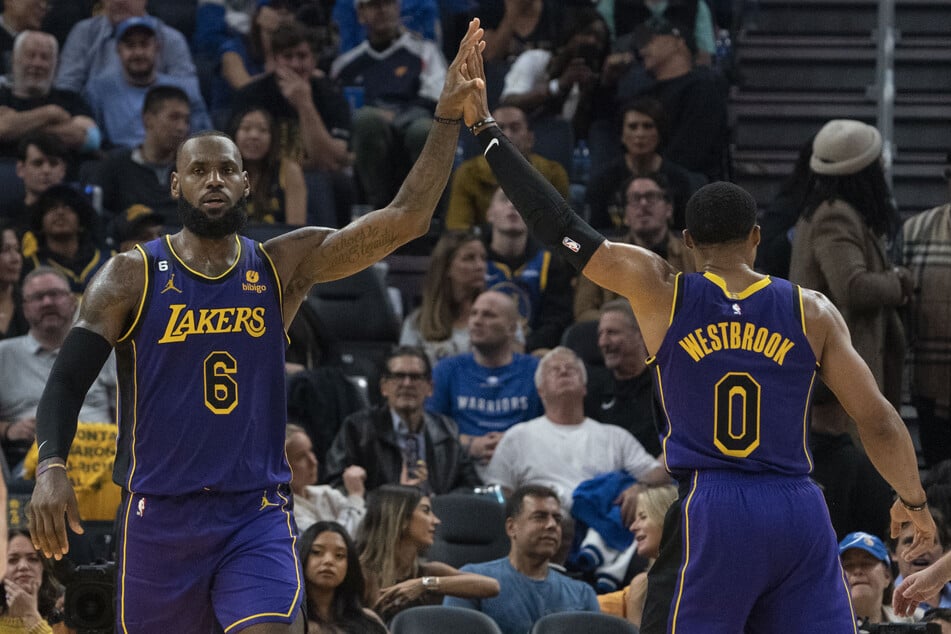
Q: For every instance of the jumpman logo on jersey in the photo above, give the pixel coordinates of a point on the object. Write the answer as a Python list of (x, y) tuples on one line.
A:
[(170, 286), (266, 502)]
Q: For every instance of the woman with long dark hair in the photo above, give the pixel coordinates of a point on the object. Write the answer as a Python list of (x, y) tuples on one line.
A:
[(334, 582), (31, 592), (398, 527), (455, 278), (12, 321), (278, 191)]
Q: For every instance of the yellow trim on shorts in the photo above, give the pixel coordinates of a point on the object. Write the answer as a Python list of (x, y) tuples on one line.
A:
[(125, 559), (686, 557), (297, 568), (848, 595)]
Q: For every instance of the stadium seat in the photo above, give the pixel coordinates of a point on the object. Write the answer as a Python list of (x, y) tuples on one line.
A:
[(472, 529), (426, 619), (588, 622), (359, 320)]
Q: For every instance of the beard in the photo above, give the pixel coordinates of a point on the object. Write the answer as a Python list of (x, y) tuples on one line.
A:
[(231, 221)]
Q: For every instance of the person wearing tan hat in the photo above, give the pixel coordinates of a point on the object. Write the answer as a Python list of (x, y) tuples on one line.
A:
[(839, 250)]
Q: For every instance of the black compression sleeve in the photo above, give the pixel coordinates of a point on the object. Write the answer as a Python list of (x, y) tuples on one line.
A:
[(76, 367), (547, 214)]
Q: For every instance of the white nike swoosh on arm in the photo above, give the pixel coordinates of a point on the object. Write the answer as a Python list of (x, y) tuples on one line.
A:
[(493, 143)]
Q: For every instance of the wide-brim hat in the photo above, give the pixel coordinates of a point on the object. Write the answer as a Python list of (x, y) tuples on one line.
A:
[(844, 147)]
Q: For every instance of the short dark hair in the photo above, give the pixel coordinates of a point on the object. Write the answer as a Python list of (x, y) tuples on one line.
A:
[(289, 35), (650, 107), (516, 501), (407, 351), (48, 144), (720, 212), (156, 97), (198, 135), (66, 196)]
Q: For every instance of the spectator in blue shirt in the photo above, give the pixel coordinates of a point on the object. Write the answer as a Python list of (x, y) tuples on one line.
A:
[(530, 588)]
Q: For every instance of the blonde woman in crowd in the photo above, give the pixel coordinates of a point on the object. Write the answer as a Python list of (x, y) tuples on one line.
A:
[(652, 505)]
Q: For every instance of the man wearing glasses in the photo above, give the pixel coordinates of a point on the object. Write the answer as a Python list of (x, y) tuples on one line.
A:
[(399, 442), (647, 212), (25, 363)]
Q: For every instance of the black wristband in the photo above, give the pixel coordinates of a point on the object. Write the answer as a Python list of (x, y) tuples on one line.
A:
[(546, 213), (480, 125), (913, 507), (76, 367), (447, 120)]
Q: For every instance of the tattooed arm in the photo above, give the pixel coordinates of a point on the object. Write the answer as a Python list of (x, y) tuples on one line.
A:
[(108, 303), (313, 254)]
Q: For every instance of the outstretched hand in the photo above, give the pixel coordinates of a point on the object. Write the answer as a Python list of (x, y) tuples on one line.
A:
[(461, 79), (920, 586), (925, 529), (52, 504), (476, 107)]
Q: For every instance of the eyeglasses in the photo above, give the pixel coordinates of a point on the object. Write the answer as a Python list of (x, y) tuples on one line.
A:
[(399, 377), (650, 198), (55, 294)]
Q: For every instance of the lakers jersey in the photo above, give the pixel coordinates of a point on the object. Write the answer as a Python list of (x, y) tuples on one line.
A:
[(201, 378), (735, 375)]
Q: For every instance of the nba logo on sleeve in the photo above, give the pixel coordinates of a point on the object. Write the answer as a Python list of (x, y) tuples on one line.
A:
[(570, 244)]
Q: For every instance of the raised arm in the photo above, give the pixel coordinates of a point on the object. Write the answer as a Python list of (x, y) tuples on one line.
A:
[(641, 276), (107, 304), (313, 255), (884, 435)]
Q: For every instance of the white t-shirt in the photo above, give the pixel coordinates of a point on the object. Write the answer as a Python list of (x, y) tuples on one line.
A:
[(324, 502), (563, 456)]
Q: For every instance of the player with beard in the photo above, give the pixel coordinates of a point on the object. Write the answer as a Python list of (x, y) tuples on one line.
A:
[(206, 536)]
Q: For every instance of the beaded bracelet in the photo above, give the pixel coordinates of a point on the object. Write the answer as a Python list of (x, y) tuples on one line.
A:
[(477, 127), (446, 120), (912, 507), (47, 467)]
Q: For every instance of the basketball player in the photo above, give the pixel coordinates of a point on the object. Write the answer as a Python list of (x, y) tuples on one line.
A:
[(206, 539), (735, 355)]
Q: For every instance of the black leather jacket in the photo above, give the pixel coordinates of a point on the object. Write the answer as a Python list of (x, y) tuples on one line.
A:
[(367, 438)]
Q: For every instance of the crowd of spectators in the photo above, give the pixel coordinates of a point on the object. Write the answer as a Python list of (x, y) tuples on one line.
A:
[(330, 104)]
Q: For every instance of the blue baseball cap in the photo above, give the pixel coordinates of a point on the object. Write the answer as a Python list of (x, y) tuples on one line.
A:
[(138, 22), (867, 542)]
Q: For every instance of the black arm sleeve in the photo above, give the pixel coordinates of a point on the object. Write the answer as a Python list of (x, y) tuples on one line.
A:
[(547, 214), (76, 367)]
